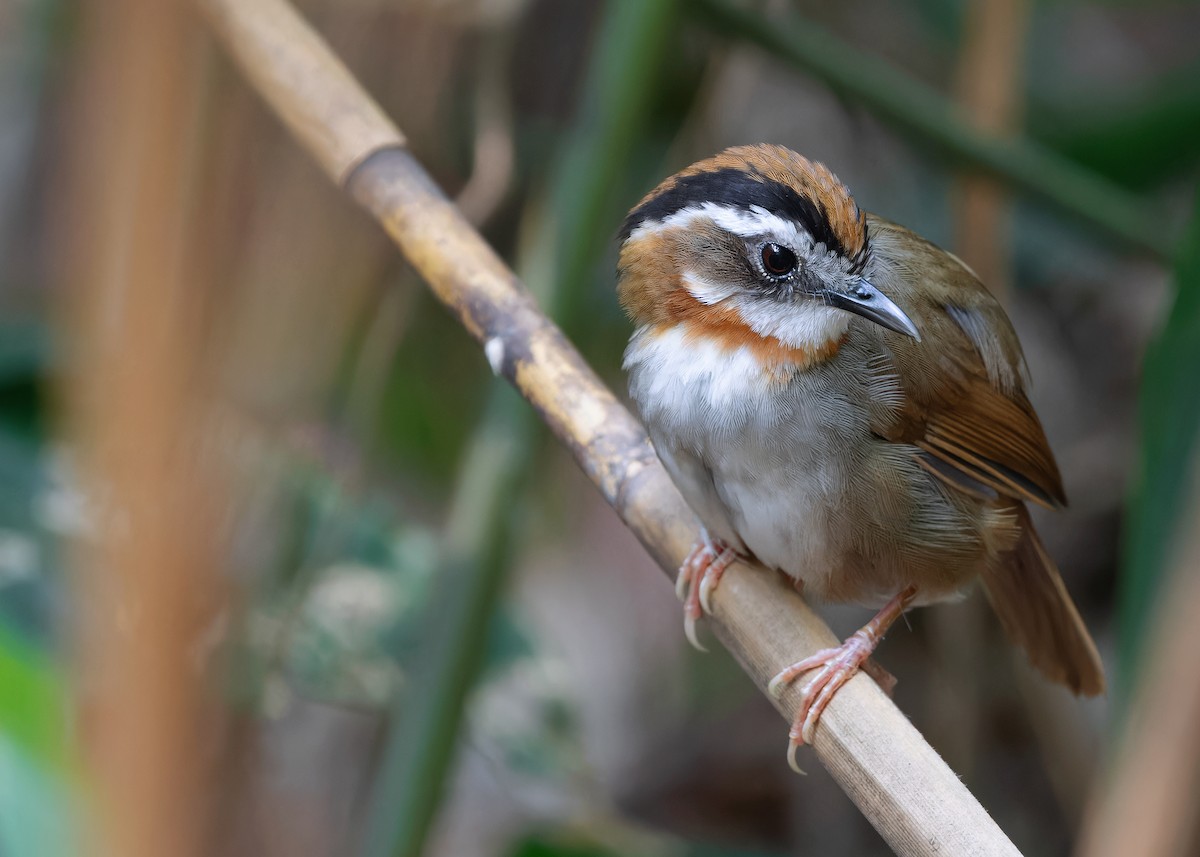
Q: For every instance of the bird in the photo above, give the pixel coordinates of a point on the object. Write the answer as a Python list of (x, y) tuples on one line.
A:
[(844, 402)]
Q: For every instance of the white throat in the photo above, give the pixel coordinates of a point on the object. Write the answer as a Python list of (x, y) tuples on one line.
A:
[(806, 324), (803, 324)]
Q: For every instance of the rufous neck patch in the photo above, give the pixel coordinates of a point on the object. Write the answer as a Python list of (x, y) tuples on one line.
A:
[(725, 328)]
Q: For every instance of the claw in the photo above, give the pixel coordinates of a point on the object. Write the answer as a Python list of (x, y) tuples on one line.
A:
[(682, 579), (697, 578), (793, 747), (689, 631), (706, 585), (712, 576)]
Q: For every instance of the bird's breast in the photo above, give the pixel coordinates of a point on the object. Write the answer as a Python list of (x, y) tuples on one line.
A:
[(790, 468), (764, 458), (713, 390)]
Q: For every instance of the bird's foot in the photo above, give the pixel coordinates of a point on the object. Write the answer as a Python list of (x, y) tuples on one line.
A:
[(698, 577), (835, 667)]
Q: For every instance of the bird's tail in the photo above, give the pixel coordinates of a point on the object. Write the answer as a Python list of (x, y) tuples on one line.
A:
[(1037, 613)]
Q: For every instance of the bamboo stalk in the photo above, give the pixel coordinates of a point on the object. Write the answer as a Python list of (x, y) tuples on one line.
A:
[(147, 590), (991, 85), (896, 779)]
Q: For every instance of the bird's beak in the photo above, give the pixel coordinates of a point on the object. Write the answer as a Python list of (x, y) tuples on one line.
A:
[(866, 300)]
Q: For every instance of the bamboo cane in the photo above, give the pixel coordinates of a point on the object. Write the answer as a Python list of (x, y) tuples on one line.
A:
[(145, 575), (895, 778)]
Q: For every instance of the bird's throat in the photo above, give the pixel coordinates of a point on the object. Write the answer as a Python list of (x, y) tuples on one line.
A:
[(781, 339), (730, 333)]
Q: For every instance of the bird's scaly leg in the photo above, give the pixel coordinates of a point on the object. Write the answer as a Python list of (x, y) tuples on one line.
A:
[(837, 666), (698, 577)]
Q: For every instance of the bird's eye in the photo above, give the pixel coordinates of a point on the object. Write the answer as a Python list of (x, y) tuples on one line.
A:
[(778, 261)]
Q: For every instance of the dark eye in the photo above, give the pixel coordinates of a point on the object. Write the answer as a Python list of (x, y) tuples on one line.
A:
[(778, 261)]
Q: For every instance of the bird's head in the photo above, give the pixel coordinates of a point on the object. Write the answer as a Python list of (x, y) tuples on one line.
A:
[(757, 244)]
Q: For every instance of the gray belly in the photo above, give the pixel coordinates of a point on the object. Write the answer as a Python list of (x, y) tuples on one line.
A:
[(804, 486)]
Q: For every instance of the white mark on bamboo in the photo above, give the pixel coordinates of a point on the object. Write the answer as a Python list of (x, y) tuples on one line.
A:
[(493, 349)]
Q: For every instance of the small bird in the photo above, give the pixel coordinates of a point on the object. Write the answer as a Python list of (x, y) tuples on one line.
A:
[(843, 401)]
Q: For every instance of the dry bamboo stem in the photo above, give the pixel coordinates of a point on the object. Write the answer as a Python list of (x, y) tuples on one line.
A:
[(147, 590), (990, 87), (897, 780)]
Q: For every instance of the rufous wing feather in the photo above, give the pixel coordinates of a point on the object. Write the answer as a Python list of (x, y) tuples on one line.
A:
[(997, 440), (965, 408)]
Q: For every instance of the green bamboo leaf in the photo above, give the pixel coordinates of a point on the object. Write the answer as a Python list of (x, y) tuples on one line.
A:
[(1138, 139), (32, 702), (38, 781), (1169, 412), (934, 121), (573, 228), (423, 736)]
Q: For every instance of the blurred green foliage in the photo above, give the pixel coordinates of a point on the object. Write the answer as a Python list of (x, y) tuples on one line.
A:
[(37, 777), (32, 702), (934, 122), (1169, 415), (432, 398), (456, 625), (1138, 139), (575, 844)]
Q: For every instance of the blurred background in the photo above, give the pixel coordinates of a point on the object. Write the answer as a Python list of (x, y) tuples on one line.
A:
[(284, 570)]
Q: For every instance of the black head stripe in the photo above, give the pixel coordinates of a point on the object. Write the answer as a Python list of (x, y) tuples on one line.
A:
[(737, 189), (864, 255)]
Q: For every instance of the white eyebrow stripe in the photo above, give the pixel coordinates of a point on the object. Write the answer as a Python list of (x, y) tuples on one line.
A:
[(754, 222), (745, 223)]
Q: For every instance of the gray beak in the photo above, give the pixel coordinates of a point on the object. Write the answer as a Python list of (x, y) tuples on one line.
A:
[(866, 300)]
